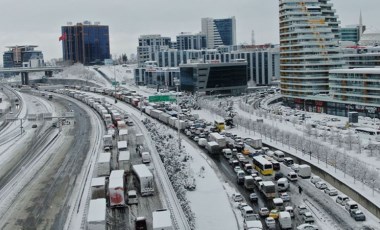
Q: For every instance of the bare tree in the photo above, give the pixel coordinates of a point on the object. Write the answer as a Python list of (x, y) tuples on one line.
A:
[(345, 162), (349, 139), (335, 156), (324, 135), (294, 121), (372, 179), (354, 168)]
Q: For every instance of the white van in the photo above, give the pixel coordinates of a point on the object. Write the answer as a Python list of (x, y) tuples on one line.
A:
[(227, 153), (351, 205), (282, 184), (285, 220), (132, 197), (342, 199), (248, 213), (290, 210), (292, 176), (145, 157), (279, 156)]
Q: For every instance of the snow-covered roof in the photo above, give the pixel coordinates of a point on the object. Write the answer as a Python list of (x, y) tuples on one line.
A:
[(161, 219), (116, 179), (122, 144), (98, 181), (142, 171), (97, 210), (104, 157), (254, 224), (124, 156), (123, 132)]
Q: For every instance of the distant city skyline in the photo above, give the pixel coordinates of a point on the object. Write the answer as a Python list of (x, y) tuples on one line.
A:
[(29, 23)]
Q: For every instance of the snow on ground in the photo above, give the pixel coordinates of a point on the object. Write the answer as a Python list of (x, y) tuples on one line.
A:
[(211, 200)]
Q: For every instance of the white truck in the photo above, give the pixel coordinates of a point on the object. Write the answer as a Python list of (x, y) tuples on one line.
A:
[(218, 139), (145, 157), (107, 141), (143, 179), (123, 134), (285, 220), (255, 143), (125, 161), (122, 146), (98, 187), (116, 188), (304, 171), (162, 220), (139, 139), (104, 164), (96, 218), (213, 148)]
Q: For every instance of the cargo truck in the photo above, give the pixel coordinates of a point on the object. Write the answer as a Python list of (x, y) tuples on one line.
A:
[(162, 220), (98, 187), (116, 189), (125, 161), (304, 171), (123, 134), (139, 139), (96, 218), (104, 164), (254, 143), (143, 179), (285, 220), (107, 141), (218, 139), (213, 148)]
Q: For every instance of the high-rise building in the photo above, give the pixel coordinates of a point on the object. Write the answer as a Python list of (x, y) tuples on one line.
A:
[(309, 34), (22, 56), (148, 44), (86, 43), (189, 41), (350, 33), (219, 31)]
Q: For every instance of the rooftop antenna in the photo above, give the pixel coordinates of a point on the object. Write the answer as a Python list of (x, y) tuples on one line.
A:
[(253, 37)]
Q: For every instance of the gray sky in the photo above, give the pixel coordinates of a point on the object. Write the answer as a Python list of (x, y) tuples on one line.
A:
[(39, 22)]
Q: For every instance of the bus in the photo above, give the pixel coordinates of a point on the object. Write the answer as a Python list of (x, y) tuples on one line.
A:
[(262, 165), (219, 125)]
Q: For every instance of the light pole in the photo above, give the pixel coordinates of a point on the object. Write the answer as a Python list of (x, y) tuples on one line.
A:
[(114, 75), (177, 84)]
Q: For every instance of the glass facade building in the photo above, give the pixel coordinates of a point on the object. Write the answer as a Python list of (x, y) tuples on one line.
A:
[(188, 41), (219, 32), (86, 43), (214, 78), (22, 56)]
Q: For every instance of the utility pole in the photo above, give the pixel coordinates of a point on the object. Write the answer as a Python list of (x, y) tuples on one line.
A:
[(177, 83)]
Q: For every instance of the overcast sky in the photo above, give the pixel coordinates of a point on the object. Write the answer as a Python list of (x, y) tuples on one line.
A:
[(39, 22)]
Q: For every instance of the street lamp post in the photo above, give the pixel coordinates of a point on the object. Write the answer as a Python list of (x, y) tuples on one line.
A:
[(177, 84), (114, 75)]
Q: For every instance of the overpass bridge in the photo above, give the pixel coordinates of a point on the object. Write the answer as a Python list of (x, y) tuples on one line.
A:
[(26, 70)]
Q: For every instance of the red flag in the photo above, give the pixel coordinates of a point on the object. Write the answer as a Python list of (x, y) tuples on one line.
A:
[(63, 37)]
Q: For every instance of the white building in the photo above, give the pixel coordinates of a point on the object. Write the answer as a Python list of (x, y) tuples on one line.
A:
[(309, 33), (148, 44)]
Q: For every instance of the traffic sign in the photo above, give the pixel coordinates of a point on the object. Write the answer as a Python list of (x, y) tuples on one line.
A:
[(115, 83), (161, 98)]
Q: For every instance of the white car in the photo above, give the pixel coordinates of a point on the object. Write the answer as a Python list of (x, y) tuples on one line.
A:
[(264, 211), (307, 227), (331, 191), (237, 169), (285, 196), (321, 185), (301, 209), (308, 217), (270, 222), (241, 205), (315, 179), (237, 197)]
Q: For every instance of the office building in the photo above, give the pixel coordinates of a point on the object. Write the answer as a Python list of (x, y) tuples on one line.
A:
[(214, 78), (263, 61), (219, 31), (356, 88), (85, 43), (23, 56), (148, 44), (189, 41), (152, 75), (309, 34)]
